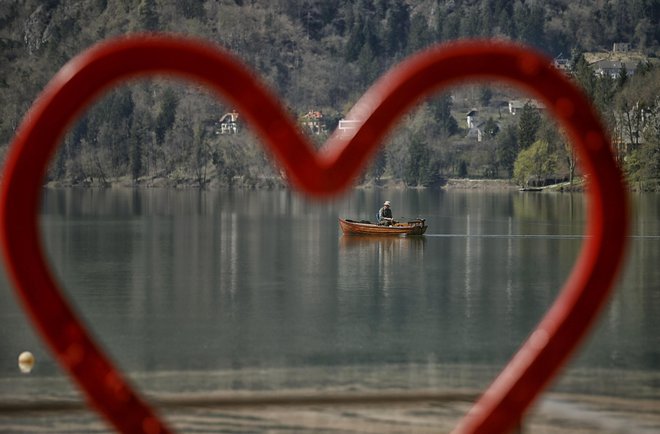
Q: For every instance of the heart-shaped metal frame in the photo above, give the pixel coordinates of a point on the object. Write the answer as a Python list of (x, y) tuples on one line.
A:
[(327, 172)]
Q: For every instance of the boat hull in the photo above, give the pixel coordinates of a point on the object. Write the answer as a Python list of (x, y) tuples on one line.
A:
[(352, 227)]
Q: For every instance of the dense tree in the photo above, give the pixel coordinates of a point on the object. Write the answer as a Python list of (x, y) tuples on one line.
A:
[(534, 164), (485, 95), (528, 125), (420, 36), (583, 73), (419, 167), (507, 149), (648, 155), (378, 165), (638, 126), (622, 77), (491, 129), (321, 55), (139, 138), (445, 123), (529, 21), (148, 15), (397, 28), (356, 39), (200, 158), (167, 114)]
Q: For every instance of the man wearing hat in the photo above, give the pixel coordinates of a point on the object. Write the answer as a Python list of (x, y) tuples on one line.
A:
[(385, 214)]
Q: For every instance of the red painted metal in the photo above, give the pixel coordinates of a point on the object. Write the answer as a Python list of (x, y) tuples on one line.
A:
[(327, 173)]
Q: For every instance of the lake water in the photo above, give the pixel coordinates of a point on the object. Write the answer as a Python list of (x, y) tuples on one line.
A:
[(207, 290)]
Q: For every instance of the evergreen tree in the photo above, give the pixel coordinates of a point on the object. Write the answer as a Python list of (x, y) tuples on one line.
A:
[(491, 129), (470, 25), (378, 165), (604, 90), (440, 17), (451, 28), (397, 28), (190, 8), (643, 68), (441, 106), (622, 77), (507, 149), (148, 15), (167, 114), (462, 169), (368, 64), (485, 95), (529, 21), (418, 167), (139, 134), (583, 73), (528, 125), (355, 39), (419, 36), (200, 157), (372, 38)]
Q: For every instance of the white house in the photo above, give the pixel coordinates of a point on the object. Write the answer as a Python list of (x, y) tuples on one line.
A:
[(229, 123), (471, 118), (518, 104)]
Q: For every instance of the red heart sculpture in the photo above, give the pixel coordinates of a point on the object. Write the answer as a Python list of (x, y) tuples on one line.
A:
[(328, 172)]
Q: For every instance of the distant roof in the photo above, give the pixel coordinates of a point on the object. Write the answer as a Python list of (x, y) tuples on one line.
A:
[(520, 103), (229, 117), (615, 64), (313, 115)]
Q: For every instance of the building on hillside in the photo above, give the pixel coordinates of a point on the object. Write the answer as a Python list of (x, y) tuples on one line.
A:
[(471, 118), (562, 63), (517, 104), (314, 122), (620, 47), (476, 132), (613, 68), (611, 63), (229, 123), (476, 128)]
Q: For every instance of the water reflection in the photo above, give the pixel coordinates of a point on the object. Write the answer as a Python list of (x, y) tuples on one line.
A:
[(182, 281), (379, 243)]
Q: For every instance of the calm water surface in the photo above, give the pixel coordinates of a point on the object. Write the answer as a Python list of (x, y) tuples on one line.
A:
[(186, 286)]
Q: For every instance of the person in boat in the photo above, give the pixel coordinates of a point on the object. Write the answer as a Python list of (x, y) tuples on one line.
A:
[(385, 214)]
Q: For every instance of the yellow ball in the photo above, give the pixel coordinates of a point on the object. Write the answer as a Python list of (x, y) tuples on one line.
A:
[(26, 362)]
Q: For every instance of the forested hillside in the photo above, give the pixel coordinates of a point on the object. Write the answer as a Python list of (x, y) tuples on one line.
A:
[(320, 56)]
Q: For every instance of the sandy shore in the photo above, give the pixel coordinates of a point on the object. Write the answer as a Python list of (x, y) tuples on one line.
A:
[(352, 400), (556, 414)]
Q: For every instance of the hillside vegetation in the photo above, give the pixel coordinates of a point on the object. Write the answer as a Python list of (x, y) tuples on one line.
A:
[(321, 55)]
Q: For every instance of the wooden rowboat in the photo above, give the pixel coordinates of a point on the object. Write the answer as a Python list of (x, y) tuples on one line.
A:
[(363, 227)]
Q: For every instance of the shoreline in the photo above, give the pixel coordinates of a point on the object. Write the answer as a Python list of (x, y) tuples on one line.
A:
[(240, 183), (275, 184)]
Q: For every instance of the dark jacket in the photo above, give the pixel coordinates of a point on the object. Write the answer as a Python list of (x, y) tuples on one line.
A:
[(384, 212)]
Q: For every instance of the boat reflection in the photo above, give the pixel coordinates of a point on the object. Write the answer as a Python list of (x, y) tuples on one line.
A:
[(380, 266), (389, 251), (385, 241)]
